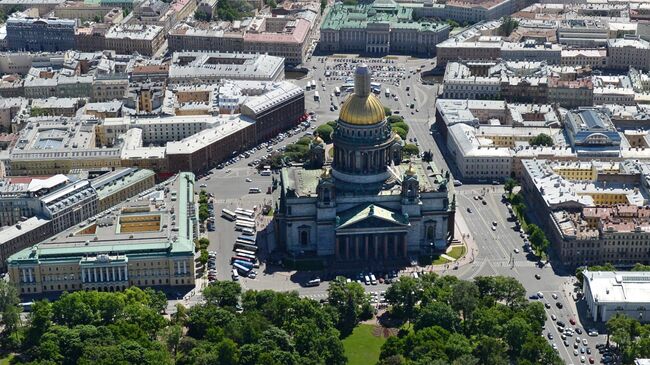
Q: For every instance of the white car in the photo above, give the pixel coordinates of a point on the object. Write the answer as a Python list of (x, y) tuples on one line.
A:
[(203, 185), (248, 179), (539, 294), (516, 250), (553, 317), (554, 295)]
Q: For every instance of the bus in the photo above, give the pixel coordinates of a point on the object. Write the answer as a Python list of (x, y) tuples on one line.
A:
[(248, 232), (245, 246), (245, 212), (246, 242), (316, 96), (241, 258), (241, 225), (337, 91), (228, 214), (247, 238), (243, 263), (245, 219), (242, 269), (387, 92), (251, 257), (243, 251)]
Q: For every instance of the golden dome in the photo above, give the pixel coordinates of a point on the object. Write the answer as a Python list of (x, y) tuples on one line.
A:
[(362, 110)]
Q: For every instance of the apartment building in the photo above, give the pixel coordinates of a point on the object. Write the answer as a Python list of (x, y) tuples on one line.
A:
[(147, 242), (127, 39), (628, 52), (36, 34)]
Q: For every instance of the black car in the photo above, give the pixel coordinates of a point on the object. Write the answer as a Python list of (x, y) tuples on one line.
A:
[(548, 306), (578, 331), (559, 305), (538, 276), (561, 324)]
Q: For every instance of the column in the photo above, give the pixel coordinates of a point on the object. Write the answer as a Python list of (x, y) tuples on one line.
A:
[(338, 248), (347, 247), (94, 274), (119, 273), (184, 267), (385, 246), (404, 245), (113, 276), (126, 273), (367, 240), (356, 247), (29, 272), (24, 272), (375, 242), (83, 275), (395, 243), (178, 267), (101, 274)]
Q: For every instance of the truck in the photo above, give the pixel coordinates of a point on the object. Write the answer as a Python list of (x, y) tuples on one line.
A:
[(316, 96), (387, 92)]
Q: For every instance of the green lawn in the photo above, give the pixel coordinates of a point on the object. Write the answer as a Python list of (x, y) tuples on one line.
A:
[(362, 347), (440, 261), (457, 252)]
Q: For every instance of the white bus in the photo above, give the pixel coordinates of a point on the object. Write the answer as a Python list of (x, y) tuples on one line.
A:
[(245, 212), (337, 91), (245, 242), (241, 225), (254, 190), (241, 218), (316, 96), (228, 214), (248, 231), (243, 251)]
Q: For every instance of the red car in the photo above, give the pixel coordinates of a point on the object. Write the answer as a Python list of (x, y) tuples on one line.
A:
[(591, 360), (572, 321)]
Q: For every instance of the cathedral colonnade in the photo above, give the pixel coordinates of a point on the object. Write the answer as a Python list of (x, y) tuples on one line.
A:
[(371, 246)]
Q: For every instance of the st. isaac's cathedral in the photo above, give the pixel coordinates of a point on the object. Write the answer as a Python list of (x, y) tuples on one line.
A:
[(365, 203)]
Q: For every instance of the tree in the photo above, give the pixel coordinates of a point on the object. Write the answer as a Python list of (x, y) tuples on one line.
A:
[(271, 3), (515, 332), (156, 300), (204, 257), (202, 16), (464, 298), (325, 132), (9, 310), (387, 111), (392, 119), (491, 351), (508, 25), (349, 300), (223, 293), (440, 314), (400, 132), (510, 185), (542, 139), (323, 5), (410, 149), (403, 295)]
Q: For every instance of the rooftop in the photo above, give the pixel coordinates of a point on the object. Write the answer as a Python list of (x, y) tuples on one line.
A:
[(360, 16), (618, 286)]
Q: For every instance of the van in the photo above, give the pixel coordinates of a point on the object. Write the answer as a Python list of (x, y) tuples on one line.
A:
[(366, 279), (265, 172), (373, 279), (313, 282), (254, 191), (235, 275)]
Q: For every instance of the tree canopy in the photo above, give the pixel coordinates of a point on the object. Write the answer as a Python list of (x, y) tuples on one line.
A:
[(542, 139), (485, 321)]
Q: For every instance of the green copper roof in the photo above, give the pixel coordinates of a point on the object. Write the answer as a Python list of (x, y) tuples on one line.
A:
[(361, 213), (359, 16)]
